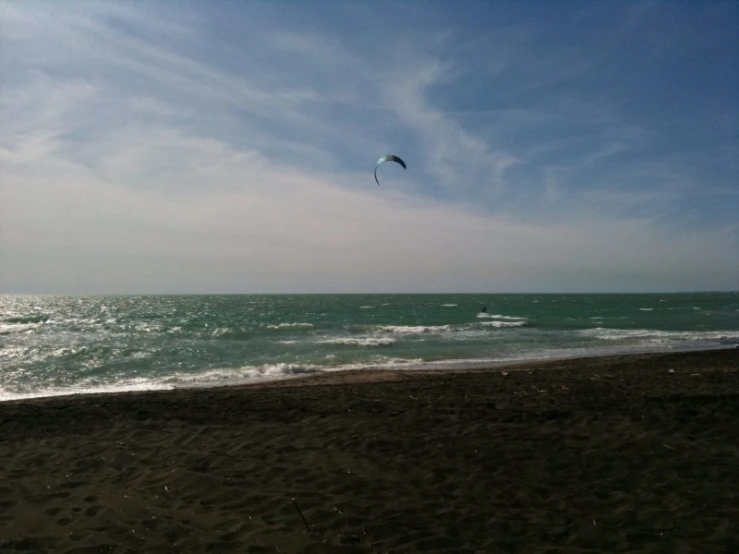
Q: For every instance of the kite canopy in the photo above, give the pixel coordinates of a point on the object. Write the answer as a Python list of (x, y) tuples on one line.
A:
[(388, 158)]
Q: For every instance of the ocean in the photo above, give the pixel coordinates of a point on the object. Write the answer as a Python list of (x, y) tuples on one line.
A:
[(53, 345)]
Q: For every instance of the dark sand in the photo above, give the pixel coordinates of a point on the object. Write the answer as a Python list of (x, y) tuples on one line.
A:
[(600, 455)]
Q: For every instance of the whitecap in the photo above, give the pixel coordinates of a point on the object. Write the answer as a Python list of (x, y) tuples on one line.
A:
[(240, 374), (657, 336), (483, 315), (414, 329), (86, 387), (8, 328), (289, 325), (504, 323), (367, 341)]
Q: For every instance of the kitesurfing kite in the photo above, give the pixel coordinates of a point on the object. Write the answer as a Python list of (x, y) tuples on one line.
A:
[(388, 158)]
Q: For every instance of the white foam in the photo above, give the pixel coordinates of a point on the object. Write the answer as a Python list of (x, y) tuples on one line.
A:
[(646, 309), (367, 341), (449, 305), (12, 352), (415, 329), (366, 307), (654, 336), (504, 323), (483, 315), (146, 327), (125, 386), (290, 325), (240, 374), (8, 328), (381, 363), (280, 371)]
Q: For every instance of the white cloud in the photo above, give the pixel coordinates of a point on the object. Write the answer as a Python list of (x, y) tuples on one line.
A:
[(458, 158), (285, 230), (131, 166)]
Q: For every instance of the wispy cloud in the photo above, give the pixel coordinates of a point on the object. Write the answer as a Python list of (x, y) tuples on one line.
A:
[(144, 148)]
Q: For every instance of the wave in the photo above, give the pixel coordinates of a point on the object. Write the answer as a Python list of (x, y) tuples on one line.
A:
[(250, 373), (240, 374), (27, 319), (368, 341), (91, 387), (482, 315), (653, 335), (296, 325), (228, 333), (414, 329), (449, 305), (10, 328), (22, 324), (148, 327), (646, 309), (278, 371), (504, 323)]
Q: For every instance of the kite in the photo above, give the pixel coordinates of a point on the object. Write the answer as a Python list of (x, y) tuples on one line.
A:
[(388, 158)]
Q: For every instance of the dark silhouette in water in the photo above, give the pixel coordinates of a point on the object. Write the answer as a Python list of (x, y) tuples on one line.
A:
[(484, 309)]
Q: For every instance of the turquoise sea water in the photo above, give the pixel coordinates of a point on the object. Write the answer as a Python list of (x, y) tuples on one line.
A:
[(61, 345)]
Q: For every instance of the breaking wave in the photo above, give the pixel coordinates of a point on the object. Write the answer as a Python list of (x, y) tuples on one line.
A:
[(367, 341)]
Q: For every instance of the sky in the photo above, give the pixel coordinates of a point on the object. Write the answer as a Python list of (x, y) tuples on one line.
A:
[(228, 147)]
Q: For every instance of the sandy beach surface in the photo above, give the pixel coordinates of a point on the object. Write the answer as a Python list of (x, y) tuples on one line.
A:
[(630, 454)]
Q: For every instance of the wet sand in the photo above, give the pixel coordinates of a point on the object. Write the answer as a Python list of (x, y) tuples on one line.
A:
[(622, 454)]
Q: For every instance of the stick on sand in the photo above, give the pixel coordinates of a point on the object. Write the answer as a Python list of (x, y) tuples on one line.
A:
[(295, 503)]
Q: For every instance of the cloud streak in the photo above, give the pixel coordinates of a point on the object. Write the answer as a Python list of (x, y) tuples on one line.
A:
[(143, 153)]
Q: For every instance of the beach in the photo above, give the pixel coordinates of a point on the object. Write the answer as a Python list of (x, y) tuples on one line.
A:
[(632, 453)]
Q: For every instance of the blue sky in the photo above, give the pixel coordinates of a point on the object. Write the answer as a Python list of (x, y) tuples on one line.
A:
[(229, 146)]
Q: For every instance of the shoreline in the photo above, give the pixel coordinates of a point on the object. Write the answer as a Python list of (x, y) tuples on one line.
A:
[(454, 366), (553, 363), (612, 454)]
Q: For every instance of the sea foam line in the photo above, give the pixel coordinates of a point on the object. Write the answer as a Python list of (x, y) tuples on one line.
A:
[(504, 323), (483, 315), (289, 325), (414, 329), (367, 341)]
